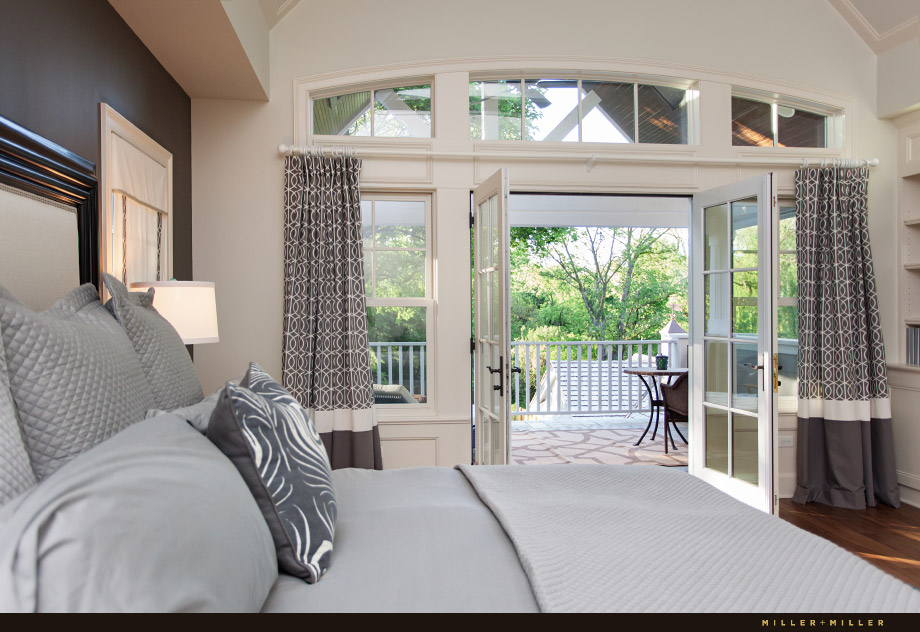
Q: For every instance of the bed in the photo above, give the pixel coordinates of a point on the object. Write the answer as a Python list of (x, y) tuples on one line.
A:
[(147, 514)]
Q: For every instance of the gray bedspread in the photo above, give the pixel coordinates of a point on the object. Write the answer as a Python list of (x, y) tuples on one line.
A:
[(649, 539), (416, 539)]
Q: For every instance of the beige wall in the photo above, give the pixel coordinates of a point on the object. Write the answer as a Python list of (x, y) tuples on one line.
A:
[(238, 172)]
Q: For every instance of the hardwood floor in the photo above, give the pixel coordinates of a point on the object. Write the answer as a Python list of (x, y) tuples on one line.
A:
[(886, 537)]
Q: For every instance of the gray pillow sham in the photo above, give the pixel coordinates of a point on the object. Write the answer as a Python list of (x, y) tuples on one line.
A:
[(154, 519), (273, 443), (197, 415), (16, 475), (162, 354), (74, 376)]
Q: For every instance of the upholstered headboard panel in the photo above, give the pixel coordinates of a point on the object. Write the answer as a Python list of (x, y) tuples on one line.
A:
[(48, 217)]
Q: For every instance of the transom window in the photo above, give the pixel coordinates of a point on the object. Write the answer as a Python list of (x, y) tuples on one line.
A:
[(390, 112), (397, 270), (782, 123), (579, 110)]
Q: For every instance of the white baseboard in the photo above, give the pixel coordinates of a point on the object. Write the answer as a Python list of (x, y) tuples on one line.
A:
[(909, 496), (786, 485)]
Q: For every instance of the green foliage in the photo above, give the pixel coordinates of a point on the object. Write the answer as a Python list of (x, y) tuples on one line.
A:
[(596, 283)]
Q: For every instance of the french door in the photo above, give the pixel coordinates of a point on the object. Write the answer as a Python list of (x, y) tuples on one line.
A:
[(734, 267), (492, 323)]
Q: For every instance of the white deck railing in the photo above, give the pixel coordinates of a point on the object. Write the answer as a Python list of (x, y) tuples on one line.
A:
[(400, 363), (565, 378)]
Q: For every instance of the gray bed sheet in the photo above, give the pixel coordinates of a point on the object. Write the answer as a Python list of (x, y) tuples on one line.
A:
[(390, 553)]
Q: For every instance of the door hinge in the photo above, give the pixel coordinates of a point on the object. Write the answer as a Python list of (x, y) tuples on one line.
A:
[(776, 370), (472, 345), (472, 220)]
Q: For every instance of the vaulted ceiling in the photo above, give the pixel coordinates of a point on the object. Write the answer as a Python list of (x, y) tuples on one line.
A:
[(219, 49), (882, 24)]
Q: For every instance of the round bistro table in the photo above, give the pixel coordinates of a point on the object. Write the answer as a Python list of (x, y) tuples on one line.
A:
[(651, 378)]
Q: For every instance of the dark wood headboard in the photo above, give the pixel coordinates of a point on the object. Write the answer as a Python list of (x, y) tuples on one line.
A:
[(34, 164)]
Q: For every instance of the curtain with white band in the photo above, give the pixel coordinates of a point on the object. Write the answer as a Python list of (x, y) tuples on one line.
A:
[(845, 454), (140, 188)]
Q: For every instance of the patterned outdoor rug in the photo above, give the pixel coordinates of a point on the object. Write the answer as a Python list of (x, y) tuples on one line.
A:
[(609, 447)]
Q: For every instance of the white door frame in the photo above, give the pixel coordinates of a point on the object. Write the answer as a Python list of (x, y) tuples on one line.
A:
[(763, 496), (492, 361)]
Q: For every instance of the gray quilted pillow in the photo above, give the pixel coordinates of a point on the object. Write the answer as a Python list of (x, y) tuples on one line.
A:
[(74, 376), (16, 474), (166, 361)]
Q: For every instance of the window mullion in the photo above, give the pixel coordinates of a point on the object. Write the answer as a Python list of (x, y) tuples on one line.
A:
[(636, 113), (580, 113), (523, 88), (371, 112)]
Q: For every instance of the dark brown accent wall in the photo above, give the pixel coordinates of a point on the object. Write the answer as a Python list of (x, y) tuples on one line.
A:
[(60, 58)]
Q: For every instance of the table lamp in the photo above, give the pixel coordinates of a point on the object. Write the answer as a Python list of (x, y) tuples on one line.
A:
[(189, 306)]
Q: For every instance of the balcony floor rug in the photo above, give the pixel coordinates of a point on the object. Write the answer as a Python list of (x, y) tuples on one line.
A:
[(607, 447)]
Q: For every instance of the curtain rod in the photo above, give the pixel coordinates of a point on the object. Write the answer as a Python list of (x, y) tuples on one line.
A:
[(589, 158)]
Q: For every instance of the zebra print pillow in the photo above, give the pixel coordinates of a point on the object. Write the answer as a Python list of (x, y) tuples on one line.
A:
[(271, 440)]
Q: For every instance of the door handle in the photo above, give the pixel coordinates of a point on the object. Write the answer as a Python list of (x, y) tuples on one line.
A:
[(500, 387), (756, 367)]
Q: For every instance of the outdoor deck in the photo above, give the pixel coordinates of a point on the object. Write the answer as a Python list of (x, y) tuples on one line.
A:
[(604, 439)]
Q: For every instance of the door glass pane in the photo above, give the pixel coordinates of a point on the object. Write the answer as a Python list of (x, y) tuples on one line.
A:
[(485, 297), (746, 379), (495, 110), (496, 237), (496, 308), (744, 233), (485, 236), (716, 288), (551, 109), (403, 112), (715, 236), (716, 439), (400, 273), (662, 115), (716, 372), (745, 456), (744, 302), (399, 224), (608, 112)]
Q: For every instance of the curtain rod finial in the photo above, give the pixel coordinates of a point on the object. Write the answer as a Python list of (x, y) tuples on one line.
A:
[(283, 149), (872, 162)]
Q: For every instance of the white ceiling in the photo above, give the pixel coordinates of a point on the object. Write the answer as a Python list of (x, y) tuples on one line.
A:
[(215, 56), (882, 24), (214, 49)]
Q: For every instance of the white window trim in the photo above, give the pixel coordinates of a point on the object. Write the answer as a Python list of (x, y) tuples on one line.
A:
[(371, 87), (429, 408), (691, 86), (112, 124), (835, 119)]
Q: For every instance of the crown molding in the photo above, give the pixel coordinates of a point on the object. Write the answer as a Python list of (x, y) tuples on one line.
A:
[(878, 42)]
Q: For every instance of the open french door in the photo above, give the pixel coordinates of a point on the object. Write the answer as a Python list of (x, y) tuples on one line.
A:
[(734, 269), (492, 322)]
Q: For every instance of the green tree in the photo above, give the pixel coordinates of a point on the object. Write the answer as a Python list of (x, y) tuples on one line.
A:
[(598, 283)]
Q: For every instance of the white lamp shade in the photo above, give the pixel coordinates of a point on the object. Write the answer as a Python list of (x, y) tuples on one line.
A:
[(189, 306)]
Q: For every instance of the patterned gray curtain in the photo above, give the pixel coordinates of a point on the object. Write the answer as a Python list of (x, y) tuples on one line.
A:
[(325, 355), (845, 454)]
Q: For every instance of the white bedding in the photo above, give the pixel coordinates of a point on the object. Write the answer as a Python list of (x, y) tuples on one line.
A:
[(615, 538)]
